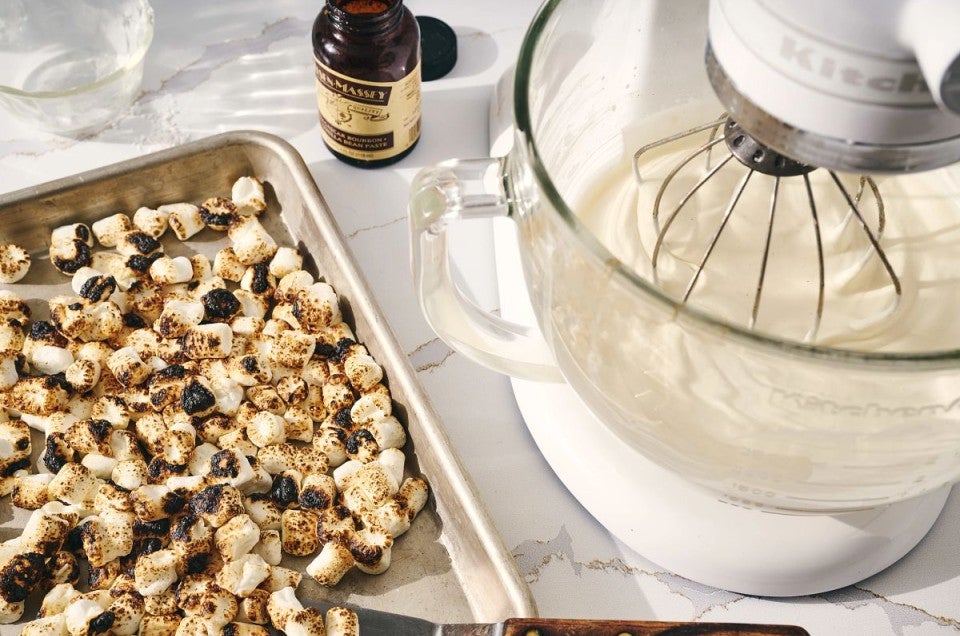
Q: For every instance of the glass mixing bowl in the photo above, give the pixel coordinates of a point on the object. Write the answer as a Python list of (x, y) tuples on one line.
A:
[(763, 420), (71, 66)]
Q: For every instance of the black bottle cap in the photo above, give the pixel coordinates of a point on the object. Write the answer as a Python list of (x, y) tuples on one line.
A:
[(438, 43)]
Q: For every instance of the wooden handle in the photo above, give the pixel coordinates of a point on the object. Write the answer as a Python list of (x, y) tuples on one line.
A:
[(567, 627)]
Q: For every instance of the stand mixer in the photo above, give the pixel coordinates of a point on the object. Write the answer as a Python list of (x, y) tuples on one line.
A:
[(758, 429)]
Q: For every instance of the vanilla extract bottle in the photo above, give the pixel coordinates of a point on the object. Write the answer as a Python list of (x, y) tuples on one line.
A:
[(367, 56)]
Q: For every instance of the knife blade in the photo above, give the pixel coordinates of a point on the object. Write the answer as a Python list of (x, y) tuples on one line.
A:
[(379, 623)]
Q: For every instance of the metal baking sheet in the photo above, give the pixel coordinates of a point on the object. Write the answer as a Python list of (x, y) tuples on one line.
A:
[(451, 565)]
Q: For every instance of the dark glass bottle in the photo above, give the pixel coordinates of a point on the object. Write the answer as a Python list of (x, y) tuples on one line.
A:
[(368, 80)]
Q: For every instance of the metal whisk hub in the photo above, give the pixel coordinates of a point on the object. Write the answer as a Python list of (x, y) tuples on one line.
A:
[(759, 157)]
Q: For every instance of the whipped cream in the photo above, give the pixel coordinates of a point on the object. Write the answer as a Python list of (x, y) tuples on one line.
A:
[(920, 239)]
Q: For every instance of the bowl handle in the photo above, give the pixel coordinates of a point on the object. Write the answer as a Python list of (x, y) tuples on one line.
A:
[(440, 196)]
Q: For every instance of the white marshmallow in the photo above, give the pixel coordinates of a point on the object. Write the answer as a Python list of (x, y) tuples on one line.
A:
[(242, 576), (285, 261), (155, 572), (184, 219), (72, 232), (152, 222), (266, 428), (247, 195), (108, 230), (168, 271), (178, 317), (14, 263)]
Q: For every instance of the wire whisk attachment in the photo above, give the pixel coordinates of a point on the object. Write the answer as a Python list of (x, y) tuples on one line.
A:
[(727, 145)]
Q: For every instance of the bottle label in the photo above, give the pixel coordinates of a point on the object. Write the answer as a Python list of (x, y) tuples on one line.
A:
[(368, 120)]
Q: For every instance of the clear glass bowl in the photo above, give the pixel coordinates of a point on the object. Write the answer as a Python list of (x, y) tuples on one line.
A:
[(71, 66)]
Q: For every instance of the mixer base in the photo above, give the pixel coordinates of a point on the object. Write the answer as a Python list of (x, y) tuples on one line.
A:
[(684, 528)]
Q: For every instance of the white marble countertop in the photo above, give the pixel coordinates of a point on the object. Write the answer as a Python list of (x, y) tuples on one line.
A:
[(245, 64)]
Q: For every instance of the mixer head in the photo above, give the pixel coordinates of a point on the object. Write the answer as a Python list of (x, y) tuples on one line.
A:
[(835, 86), (806, 85)]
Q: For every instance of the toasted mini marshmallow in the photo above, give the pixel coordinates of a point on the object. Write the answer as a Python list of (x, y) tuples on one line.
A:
[(152, 502), (248, 197), (236, 537), (264, 512), (362, 445), (293, 349), (298, 424), (306, 622), (337, 393), (155, 572), (363, 371), (201, 597), (57, 599), (331, 564), (128, 610), (127, 367), (242, 575), (253, 608), (8, 369), (178, 317), (331, 442), (317, 307), (269, 548), (62, 567), (83, 375), (227, 393), (298, 532), (230, 466), (102, 578), (266, 428), (251, 242), (218, 213), (14, 263), (392, 460), (252, 305), (41, 395), (49, 626), (137, 243), (100, 540), (94, 285), (248, 326), (100, 466), (151, 222), (226, 265), (30, 491), (237, 440), (74, 484), (164, 602), (317, 492), (12, 335), (71, 232), (371, 548), (218, 504), (184, 219), (342, 621), (208, 341), (213, 427), (168, 271), (45, 532), (160, 625), (179, 443), (89, 436), (283, 604), (369, 487), (248, 370), (130, 474), (108, 230), (392, 516)]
